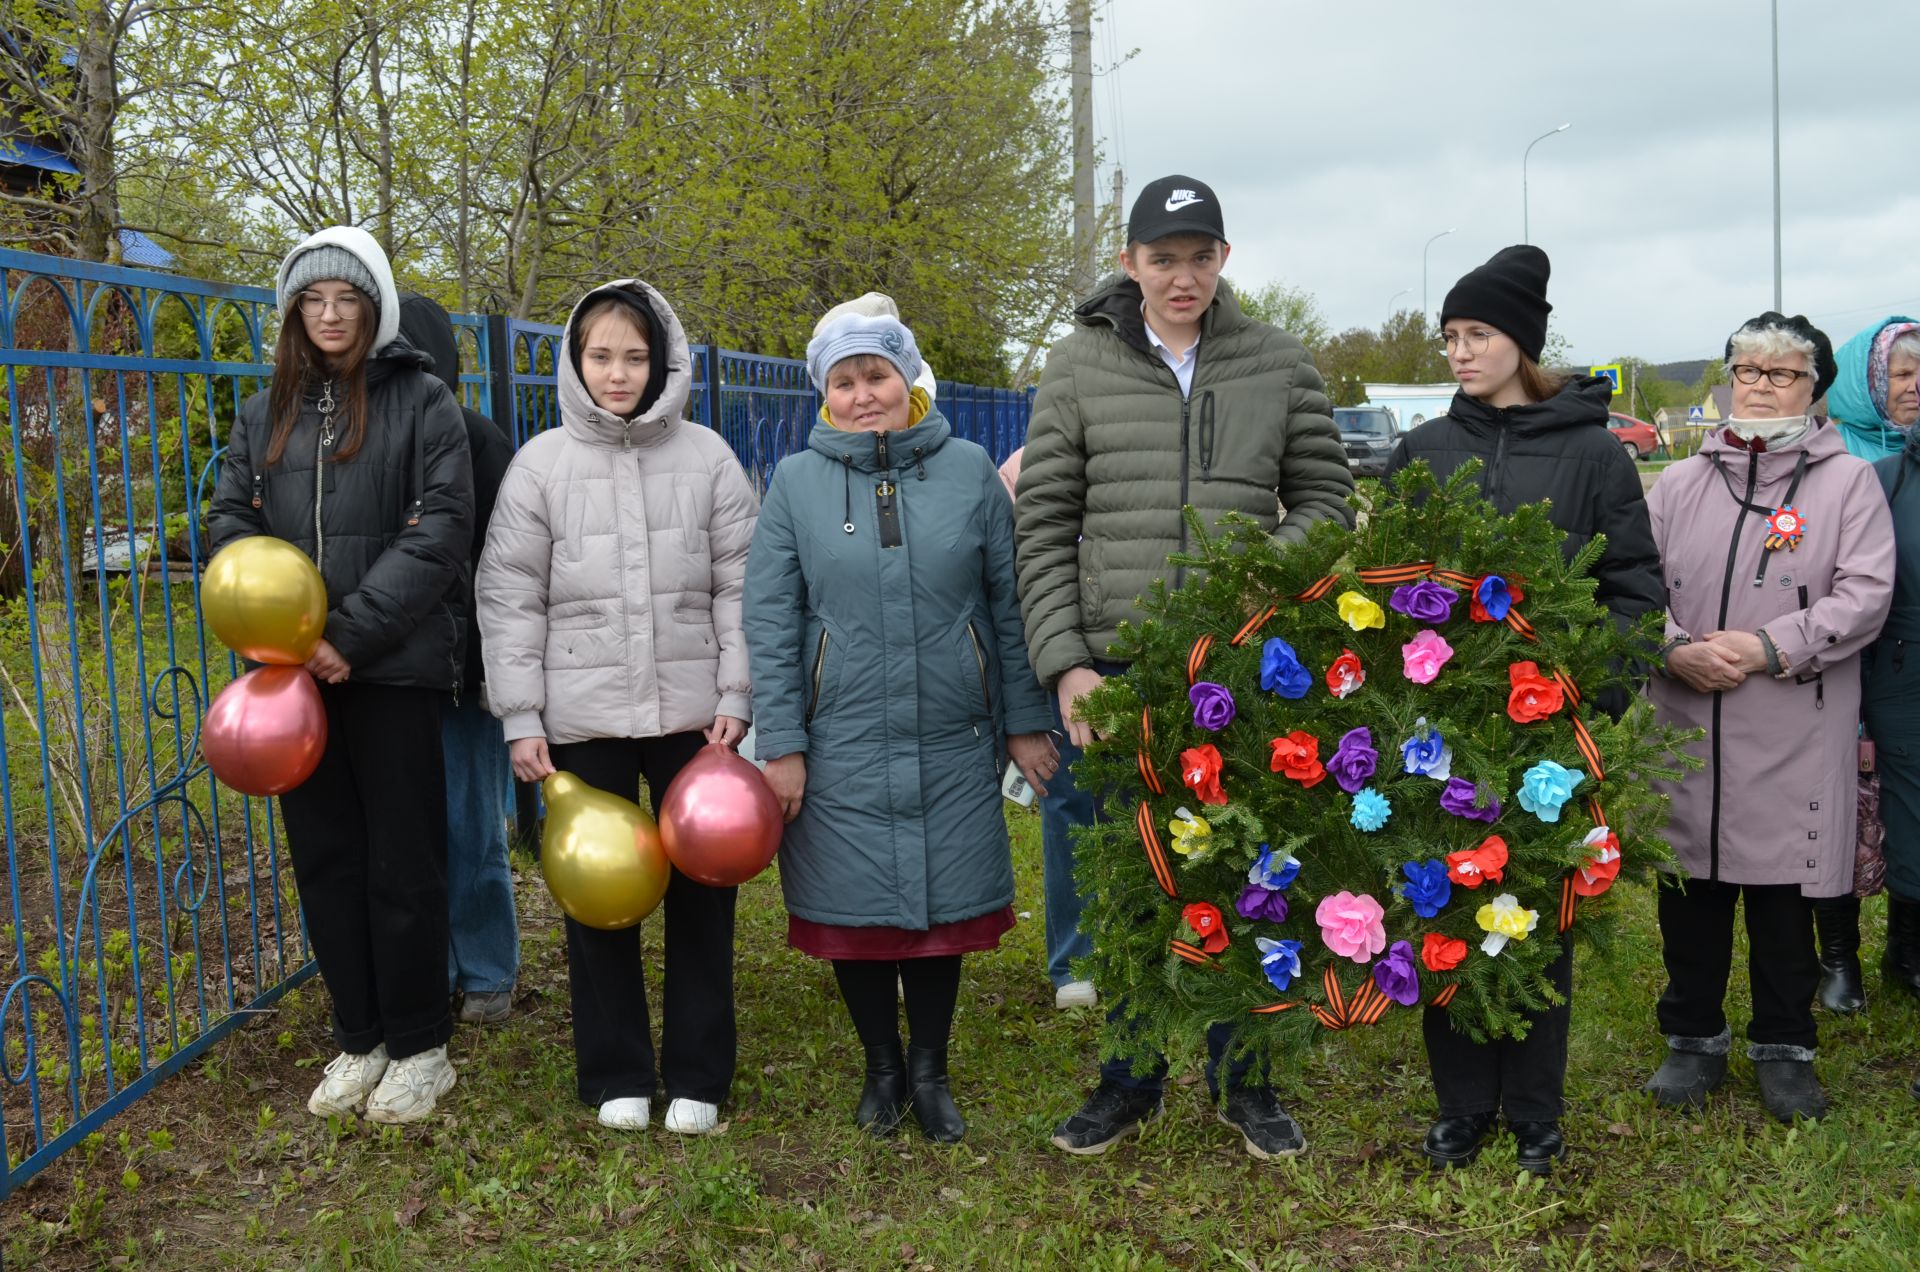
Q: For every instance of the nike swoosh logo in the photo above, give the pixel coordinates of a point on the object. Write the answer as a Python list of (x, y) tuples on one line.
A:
[(1175, 204)]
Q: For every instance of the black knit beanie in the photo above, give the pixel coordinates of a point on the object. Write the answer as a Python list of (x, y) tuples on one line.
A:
[(649, 323), (1509, 294), (1824, 367)]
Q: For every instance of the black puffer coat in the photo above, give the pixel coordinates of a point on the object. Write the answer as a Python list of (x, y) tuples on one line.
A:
[(395, 522)]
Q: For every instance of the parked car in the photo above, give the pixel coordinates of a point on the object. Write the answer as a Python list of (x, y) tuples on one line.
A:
[(1369, 434), (1640, 438)]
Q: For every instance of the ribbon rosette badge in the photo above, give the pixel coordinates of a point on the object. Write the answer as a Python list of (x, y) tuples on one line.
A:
[(1784, 528), (1503, 919)]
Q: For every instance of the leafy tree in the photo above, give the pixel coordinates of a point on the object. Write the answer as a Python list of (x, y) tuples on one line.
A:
[(1292, 309)]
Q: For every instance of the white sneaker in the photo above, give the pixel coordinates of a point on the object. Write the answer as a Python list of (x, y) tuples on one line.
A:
[(411, 1086), (348, 1082), (1075, 994), (629, 1113), (692, 1117)]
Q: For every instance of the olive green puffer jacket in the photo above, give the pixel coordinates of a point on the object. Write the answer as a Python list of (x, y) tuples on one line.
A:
[(1114, 452)]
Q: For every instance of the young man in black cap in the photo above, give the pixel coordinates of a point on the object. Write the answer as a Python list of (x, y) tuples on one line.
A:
[(1164, 395)]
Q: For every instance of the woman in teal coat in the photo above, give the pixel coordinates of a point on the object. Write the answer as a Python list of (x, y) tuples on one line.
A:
[(890, 682)]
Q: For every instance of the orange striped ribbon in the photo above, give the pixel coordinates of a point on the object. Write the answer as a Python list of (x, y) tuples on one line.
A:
[(1445, 996), (1147, 775), (1197, 658), (1253, 625), (1566, 903), (1271, 1008), (1567, 687), (1192, 953), (1366, 1006), (1456, 578), (1588, 750), (1156, 855), (1397, 573), (1594, 810), (1521, 625), (1319, 589)]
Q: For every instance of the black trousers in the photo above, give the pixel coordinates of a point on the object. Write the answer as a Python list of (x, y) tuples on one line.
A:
[(1526, 1078), (612, 1033), (368, 835), (1696, 937)]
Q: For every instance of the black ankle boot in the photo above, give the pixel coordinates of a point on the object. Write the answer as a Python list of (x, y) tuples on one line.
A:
[(1456, 1141), (883, 1100), (1837, 921), (1901, 963), (930, 1098)]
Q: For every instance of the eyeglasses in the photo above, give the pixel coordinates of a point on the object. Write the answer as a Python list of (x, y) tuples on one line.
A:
[(1474, 341), (345, 306), (1779, 377)]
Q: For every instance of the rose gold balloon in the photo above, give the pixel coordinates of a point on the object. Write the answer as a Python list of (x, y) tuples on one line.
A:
[(600, 854), (265, 732), (720, 821), (264, 598)]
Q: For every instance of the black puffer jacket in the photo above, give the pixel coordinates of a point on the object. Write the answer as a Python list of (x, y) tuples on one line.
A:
[(396, 520)]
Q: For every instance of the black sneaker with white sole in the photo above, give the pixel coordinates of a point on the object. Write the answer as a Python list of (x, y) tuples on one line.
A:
[(1110, 1114), (1269, 1129)]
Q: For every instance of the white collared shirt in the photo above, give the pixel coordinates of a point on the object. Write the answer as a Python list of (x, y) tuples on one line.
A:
[(1180, 364)]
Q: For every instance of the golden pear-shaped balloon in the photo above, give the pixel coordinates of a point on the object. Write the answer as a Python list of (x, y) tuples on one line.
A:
[(601, 854), (265, 601)]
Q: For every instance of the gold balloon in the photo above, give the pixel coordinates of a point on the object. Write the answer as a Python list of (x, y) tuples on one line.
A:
[(265, 600), (601, 855)]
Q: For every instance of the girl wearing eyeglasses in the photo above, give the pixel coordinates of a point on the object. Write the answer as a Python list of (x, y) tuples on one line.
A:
[(1778, 550), (1538, 435), (357, 454)]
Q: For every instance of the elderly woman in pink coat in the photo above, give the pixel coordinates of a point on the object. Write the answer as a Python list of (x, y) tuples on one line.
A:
[(1778, 552)]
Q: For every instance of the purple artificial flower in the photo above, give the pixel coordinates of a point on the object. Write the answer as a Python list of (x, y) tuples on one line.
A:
[(1494, 597), (1396, 976), (1354, 760), (1212, 705), (1425, 602), (1462, 798), (1257, 903)]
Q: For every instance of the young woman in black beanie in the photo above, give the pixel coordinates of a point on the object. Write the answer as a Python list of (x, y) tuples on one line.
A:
[(1538, 435)]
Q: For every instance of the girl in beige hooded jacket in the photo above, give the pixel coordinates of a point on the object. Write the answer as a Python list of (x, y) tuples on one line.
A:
[(609, 602)]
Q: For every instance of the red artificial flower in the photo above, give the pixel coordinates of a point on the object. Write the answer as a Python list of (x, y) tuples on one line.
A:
[(1597, 873), (1442, 953), (1478, 612), (1471, 867), (1298, 756), (1204, 918), (1534, 696), (1346, 674), (1200, 770)]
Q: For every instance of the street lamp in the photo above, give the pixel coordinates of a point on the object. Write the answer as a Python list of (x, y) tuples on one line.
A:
[(1526, 227), (1424, 311), (1397, 295)]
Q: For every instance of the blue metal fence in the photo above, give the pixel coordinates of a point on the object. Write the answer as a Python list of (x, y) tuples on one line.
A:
[(150, 910)]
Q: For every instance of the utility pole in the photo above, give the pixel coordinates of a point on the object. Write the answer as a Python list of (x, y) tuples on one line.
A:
[(1080, 37), (1776, 157), (1119, 221)]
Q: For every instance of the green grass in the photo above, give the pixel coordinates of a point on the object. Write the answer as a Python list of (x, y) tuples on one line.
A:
[(223, 1168)]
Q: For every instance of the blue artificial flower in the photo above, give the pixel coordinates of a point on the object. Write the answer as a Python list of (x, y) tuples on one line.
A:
[(1426, 753), (1281, 671), (1494, 597), (1427, 888), (1269, 876), (1547, 786), (1370, 810), (1280, 960)]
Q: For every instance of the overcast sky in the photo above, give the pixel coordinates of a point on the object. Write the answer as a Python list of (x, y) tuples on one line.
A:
[(1341, 135)]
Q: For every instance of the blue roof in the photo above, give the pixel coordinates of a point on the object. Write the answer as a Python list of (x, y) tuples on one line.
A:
[(137, 249), (26, 154)]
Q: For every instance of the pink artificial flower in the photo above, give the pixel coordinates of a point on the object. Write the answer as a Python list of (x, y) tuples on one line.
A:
[(1352, 926), (1425, 655)]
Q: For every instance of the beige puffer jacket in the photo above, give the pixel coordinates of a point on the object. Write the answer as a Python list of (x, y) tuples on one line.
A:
[(609, 592)]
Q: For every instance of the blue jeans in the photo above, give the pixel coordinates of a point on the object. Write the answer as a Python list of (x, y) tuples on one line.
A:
[(1063, 807), (1218, 1036), (483, 955)]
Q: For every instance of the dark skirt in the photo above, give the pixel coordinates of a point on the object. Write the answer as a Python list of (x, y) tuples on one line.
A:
[(963, 936)]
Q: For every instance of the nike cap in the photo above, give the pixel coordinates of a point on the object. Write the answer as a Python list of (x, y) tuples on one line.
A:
[(1175, 205)]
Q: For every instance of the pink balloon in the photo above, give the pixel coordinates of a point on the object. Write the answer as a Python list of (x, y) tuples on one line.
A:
[(720, 822), (265, 732)]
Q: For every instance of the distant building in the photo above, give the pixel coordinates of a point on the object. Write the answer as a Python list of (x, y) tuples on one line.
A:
[(1412, 404)]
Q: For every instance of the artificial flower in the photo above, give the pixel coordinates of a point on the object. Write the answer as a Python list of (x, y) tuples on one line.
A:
[(1426, 753), (1200, 770), (1258, 903), (1213, 707), (1462, 798), (1346, 674), (1534, 696), (1281, 670), (1599, 871), (1425, 601), (1546, 786), (1427, 888), (1354, 760), (1503, 919), (1267, 874), (1204, 918), (1359, 611), (1190, 834), (1442, 953), (1422, 657), (1471, 867), (1298, 756), (1351, 926), (1396, 975), (1370, 810), (1280, 960), (1492, 597)]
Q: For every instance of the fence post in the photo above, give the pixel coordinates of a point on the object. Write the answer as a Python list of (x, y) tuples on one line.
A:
[(500, 371), (710, 411)]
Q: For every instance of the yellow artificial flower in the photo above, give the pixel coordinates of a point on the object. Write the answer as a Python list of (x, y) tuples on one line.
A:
[(1503, 919), (1190, 833), (1360, 612)]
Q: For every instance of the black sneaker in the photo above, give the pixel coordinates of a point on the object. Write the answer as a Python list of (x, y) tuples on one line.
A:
[(1110, 1114), (1270, 1130)]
